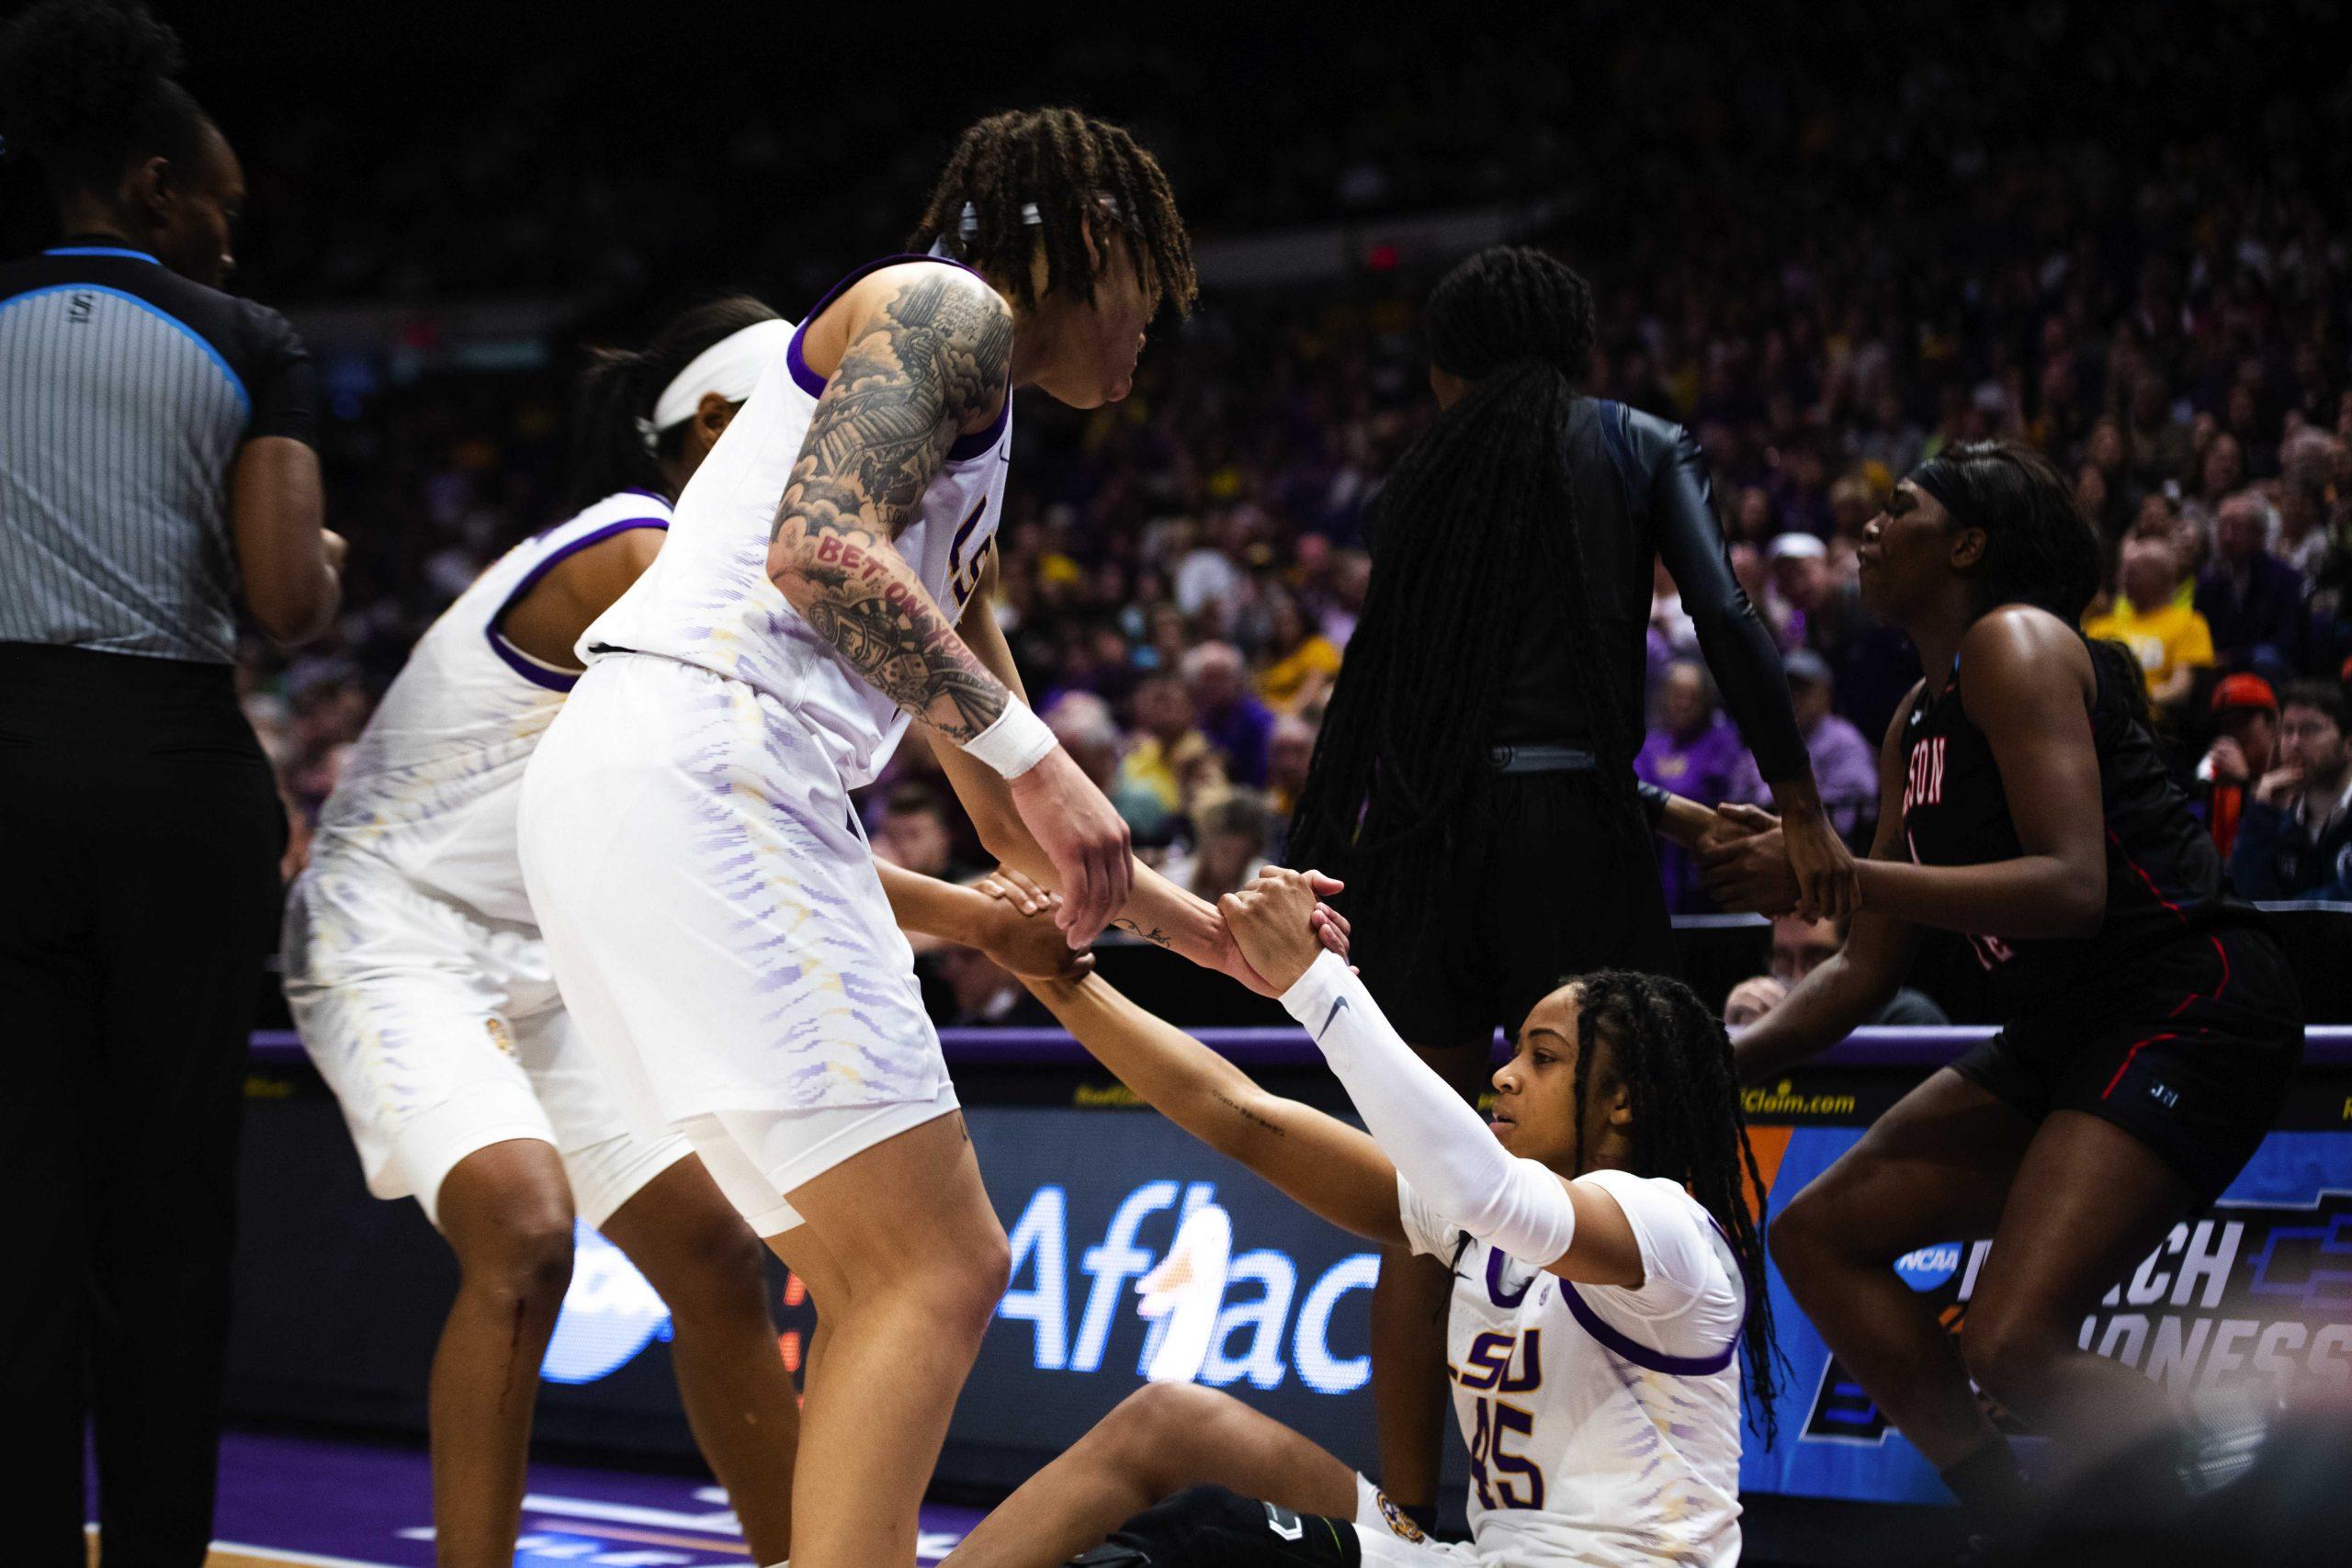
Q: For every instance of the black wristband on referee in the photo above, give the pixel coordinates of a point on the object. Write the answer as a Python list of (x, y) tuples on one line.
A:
[(1654, 801)]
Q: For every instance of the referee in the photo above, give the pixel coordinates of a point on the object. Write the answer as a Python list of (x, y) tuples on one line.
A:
[(156, 460)]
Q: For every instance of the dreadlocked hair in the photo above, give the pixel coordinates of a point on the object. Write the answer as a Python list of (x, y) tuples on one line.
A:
[(1064, 164), (88, 87), (1669, 1053), (618, 388), (2038, 547), (1479, 517)]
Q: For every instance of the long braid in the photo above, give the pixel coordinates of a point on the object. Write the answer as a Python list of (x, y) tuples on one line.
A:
[(1479, 517), (1064, 163), (1671, 1057)]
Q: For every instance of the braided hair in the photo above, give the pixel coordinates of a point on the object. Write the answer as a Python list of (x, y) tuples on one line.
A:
[(618, 389), (88, 87), (1670, 1054), (1064, 163), (1482, 508)]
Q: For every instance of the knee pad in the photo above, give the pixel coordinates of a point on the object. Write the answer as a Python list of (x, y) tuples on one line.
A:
[(1212, 1526)]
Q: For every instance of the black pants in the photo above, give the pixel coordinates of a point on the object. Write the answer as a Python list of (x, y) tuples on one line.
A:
[(1542, 884), (140, 835)]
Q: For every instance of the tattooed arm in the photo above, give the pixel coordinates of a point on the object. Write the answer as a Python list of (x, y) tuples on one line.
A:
[(1322, 1162), (926, 353), (932, 359)]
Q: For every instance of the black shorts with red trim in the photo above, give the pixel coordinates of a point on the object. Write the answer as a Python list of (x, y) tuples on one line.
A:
[(2191, 1053)]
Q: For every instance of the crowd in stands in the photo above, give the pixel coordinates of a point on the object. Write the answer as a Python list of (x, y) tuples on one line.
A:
[(1824, 285)]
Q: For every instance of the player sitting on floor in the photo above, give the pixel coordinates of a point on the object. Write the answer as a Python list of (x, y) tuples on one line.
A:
[(1606, 1270)]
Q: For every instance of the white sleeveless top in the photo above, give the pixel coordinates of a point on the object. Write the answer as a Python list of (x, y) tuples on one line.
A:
[(708, 601), (431, 789)]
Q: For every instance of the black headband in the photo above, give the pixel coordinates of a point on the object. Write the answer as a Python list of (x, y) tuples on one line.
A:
[(1929, 476)]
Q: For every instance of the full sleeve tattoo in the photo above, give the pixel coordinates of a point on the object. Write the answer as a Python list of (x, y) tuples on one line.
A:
[(934, 358)]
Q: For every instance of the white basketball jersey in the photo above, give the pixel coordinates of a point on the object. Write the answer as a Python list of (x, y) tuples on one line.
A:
[(431, 787), (1603, 1423), (708, 601)]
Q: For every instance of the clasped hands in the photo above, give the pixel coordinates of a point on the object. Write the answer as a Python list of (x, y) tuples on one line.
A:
[(1747, 866), (1035, 950)]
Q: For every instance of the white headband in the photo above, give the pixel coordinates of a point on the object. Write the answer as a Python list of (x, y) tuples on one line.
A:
[(730, 367)]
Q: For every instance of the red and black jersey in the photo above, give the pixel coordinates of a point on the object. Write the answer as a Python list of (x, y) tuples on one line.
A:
[(2163, 876)]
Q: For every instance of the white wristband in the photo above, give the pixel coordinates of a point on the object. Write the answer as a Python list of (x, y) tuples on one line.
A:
[(1015, 744)]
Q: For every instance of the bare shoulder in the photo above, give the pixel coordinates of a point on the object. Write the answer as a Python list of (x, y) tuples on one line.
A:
[(546, 622), (2018, 653)]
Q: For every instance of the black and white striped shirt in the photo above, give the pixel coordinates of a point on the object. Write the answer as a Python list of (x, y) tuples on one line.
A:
[(126, 392)]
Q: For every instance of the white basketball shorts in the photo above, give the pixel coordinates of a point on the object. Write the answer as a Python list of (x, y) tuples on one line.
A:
[(712, 911), (441, 1033), (1388, 1539)]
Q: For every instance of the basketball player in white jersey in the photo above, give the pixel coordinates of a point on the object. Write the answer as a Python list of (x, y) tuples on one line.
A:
[(711, 906), (1606, 1270), (423, 991)]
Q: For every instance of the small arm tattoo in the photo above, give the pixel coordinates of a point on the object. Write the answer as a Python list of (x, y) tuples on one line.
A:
[(1155, 936), (1247, 1115)]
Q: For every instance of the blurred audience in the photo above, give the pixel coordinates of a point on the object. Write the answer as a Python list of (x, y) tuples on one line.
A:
[(918, 833), (2252, 601), (1799, 947), (2294, 839), (965, 987), (1693, 752), (1845, 765), (2157, 301), (1231, 831), (1228, 713), (2168, 638), (2246, 713)]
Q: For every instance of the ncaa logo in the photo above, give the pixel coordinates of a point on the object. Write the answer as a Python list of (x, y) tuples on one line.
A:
[(1931, 1266)]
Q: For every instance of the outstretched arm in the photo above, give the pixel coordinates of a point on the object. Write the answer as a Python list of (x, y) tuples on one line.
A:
[(999, 920), (926, 360), (1319, 1160), (1454, 1163)]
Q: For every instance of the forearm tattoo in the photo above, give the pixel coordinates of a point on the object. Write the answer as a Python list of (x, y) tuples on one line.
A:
[(1246, 1113), (937, 357), (1155, 936)]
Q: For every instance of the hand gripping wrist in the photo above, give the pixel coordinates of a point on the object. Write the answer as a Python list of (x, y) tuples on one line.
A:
[(1015, 744)]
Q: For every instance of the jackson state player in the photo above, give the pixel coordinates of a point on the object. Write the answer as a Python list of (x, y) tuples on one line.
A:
[(2153, 1024)]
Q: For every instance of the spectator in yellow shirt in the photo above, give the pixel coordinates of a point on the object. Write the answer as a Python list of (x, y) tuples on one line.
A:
[(1301, 660), (1170, 757), (2170, 639)]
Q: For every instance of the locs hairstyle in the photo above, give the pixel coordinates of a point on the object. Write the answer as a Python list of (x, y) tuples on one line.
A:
[(1056, 174), (1479, 513)]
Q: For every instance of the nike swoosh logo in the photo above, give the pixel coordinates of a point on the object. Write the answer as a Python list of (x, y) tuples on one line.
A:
[(1328, 1016)]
